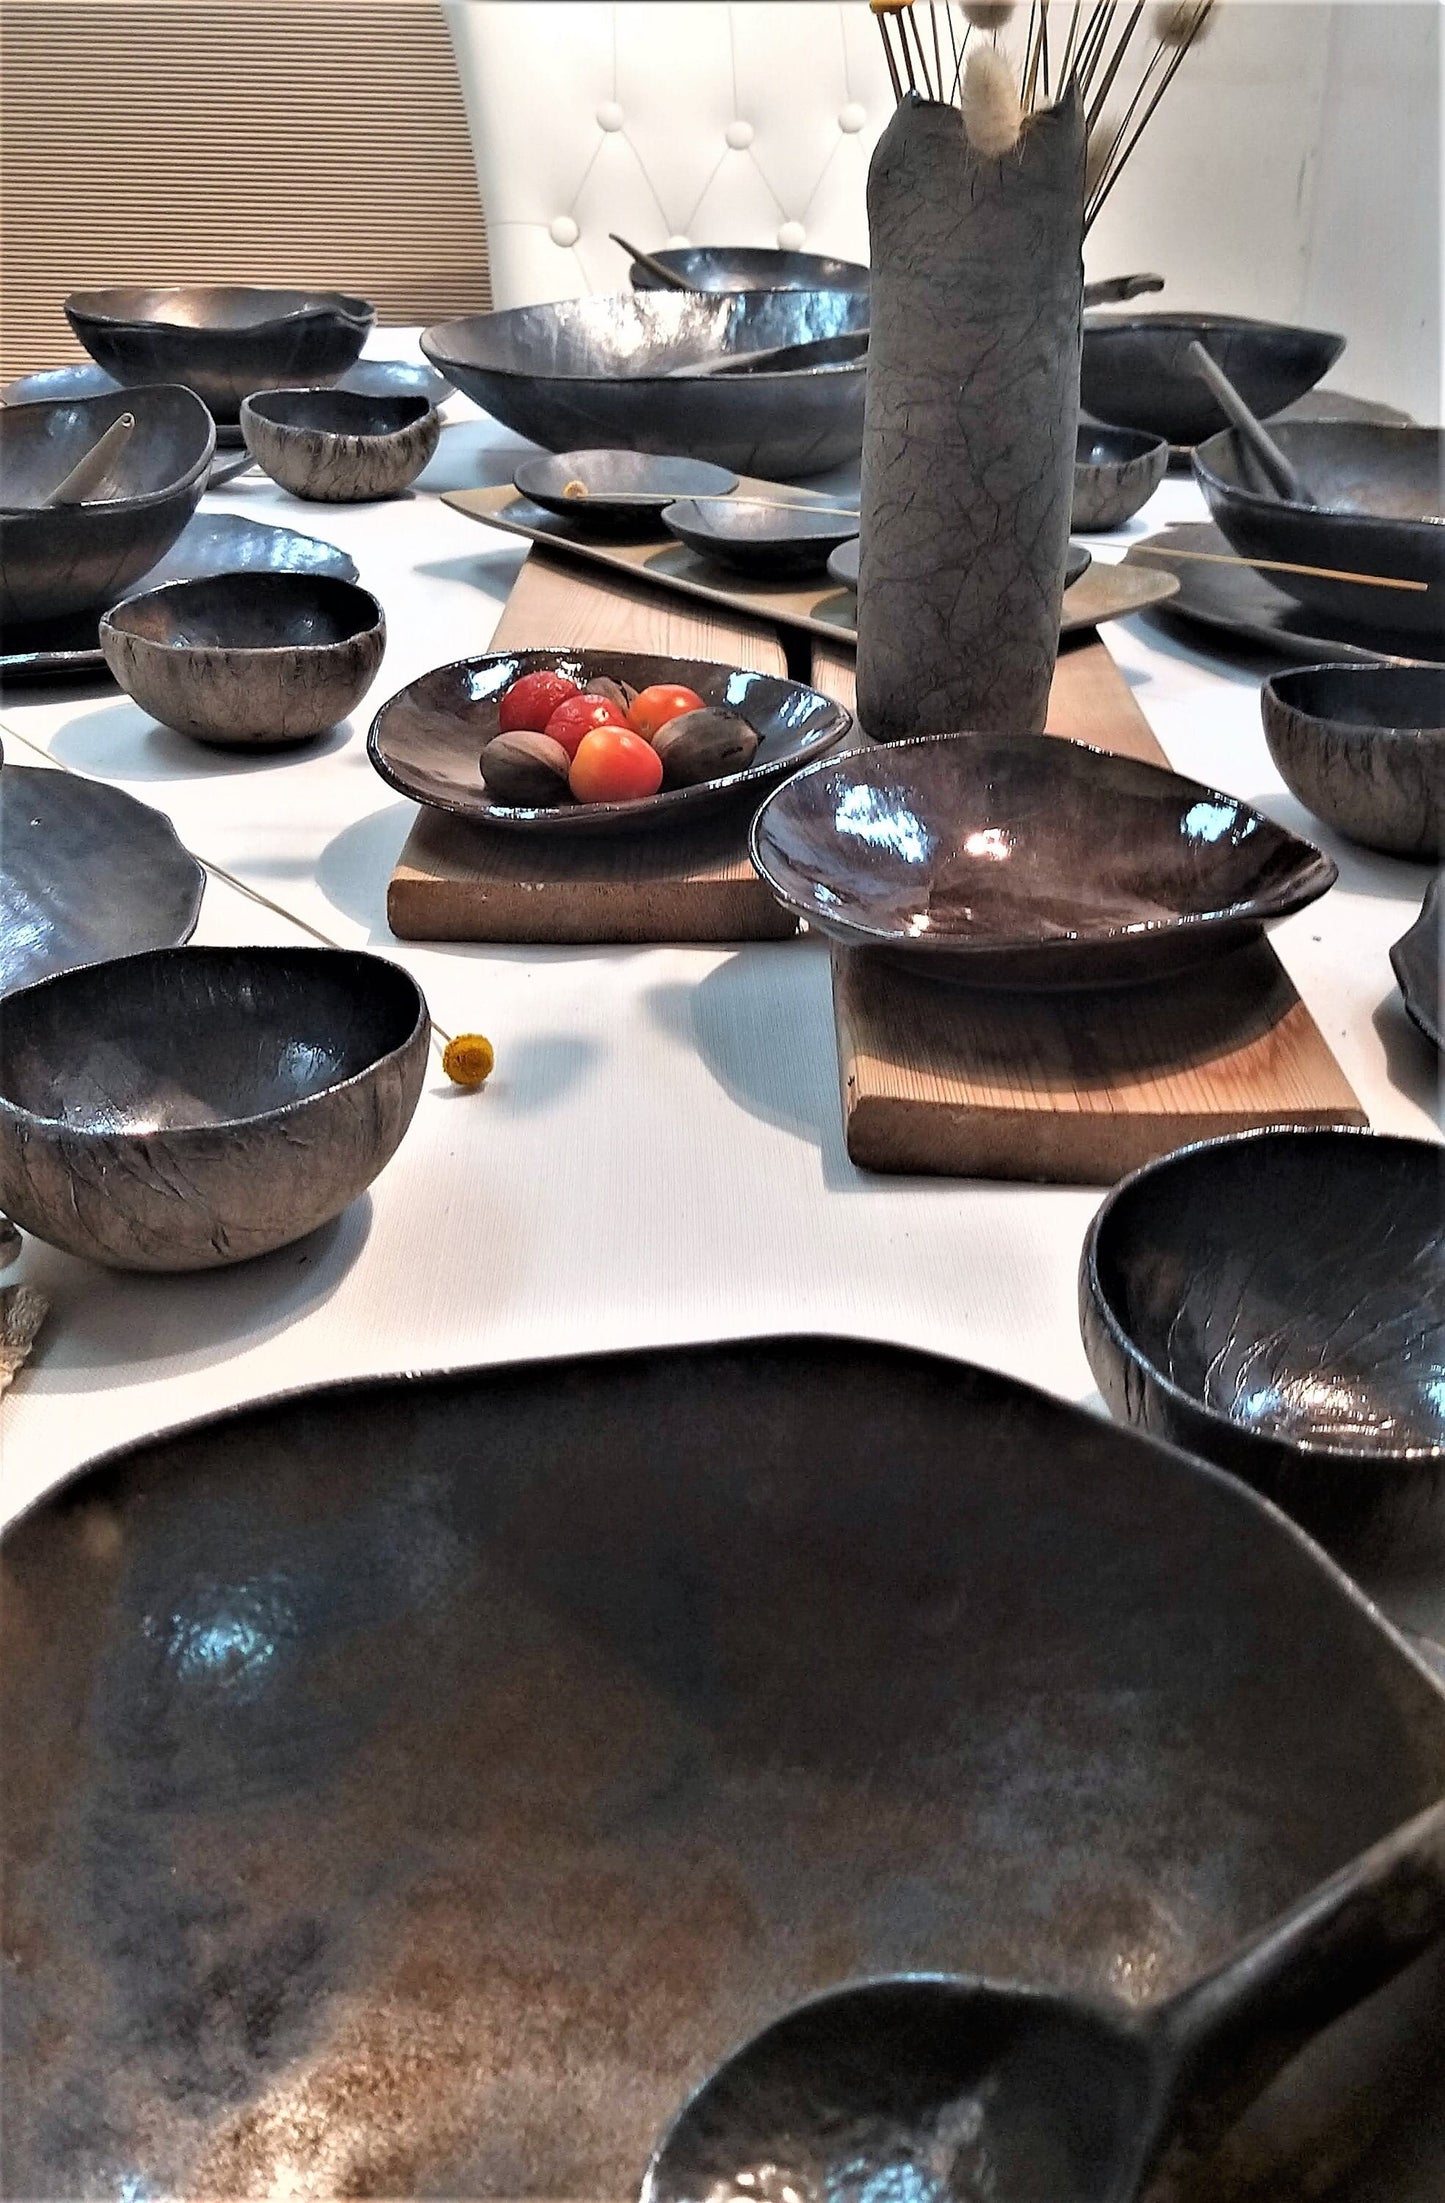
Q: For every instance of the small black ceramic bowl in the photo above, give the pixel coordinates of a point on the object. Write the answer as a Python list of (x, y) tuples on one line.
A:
[(56, 560), (222, 340), (1116, 472), (1275, 1301), (616, 490), (1364, 748), (251, 661), (754, 537), (187, 1108), (340, 447)]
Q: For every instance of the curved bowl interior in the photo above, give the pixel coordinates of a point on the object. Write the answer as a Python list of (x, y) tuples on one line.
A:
[(1382, 699), (1116, 472), (1136, 369), (624, 481), (213, 306), (1291, 1284), (257, 611), (337, 412), (428, 740), (753, 268), (1100, 444), (222, 340)]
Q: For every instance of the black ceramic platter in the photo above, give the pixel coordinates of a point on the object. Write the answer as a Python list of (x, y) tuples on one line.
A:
[(616, 491), (211, 543), (1237, 601), (427, 742), (402, 1806), (86, 873), (1416, 959)]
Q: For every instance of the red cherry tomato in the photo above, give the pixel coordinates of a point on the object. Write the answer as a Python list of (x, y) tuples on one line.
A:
[(579, 715), (613, 765), (655, 706), (531, 700)]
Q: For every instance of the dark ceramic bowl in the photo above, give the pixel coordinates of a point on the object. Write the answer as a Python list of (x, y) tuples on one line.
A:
[(337, 446), (1116, 472), (428, 741), (64, 559), (1137, 373), (843, 565), (1379, 509), (253, 661), (222, 340), (1276, 1302), (1364, 748), (759, 538), (1416, 960), (591, 372), (194, 1107), (752, 268), (1027, 861), (625, 489)]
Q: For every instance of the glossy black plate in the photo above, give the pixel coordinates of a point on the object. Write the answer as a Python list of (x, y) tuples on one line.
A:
[(623, 488)]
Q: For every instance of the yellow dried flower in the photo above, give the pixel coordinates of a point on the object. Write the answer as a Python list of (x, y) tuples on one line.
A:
[(574, 488), (468, 1059)]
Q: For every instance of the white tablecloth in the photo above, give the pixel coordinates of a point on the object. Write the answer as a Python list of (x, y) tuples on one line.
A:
[(659, 1154)]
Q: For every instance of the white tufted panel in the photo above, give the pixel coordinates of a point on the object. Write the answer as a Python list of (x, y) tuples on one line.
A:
[(673, 121)]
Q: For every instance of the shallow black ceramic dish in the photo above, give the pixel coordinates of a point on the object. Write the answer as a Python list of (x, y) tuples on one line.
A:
[(1137, 371), (1364, 748), (248, 661), (1116, 472), (753, 268), (62, 559), (428, 741), (1237, 601), (593, 372), (194, 1107), (222, 340), (340, 446), (1275, 1302), (843, 566), (211, 543), (1417, 964), (1379, 510), (1025, 861), (625, 489), (385, 1764), (756, 538), (86, 872)]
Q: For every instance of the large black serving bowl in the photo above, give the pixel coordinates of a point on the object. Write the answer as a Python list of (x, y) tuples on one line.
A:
[(1377, 508), (62, 559), (752, 268), (589, 372), (222, 340), (187, 1108), (1275, 1301), (1137, 371)]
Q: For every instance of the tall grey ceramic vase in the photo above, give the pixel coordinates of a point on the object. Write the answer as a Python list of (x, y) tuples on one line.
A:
[(970, 424)]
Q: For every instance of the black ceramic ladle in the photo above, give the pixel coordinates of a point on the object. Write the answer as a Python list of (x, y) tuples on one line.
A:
[(968, 2091), (1282, 477)]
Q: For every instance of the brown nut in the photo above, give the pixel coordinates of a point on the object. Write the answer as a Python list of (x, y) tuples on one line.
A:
[(525, 768), (704, 745), (620, 694)]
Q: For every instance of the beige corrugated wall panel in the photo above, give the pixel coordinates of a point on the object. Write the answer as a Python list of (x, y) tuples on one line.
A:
[(262, 141)]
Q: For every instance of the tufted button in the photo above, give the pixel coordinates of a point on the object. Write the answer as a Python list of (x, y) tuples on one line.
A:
[(852, 117), (790, 237), (563, 231), (739, 135), (609, 116)]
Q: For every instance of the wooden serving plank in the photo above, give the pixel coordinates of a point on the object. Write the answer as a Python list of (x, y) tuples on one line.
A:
[(459, 880), (1076, 1089)]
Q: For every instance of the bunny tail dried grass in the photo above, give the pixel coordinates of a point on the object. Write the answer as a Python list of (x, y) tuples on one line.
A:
[(992, 113), (988, 15), (1180, 22)]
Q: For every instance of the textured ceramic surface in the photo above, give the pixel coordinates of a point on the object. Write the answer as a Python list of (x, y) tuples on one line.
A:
[(401, 1805), (340, 446), (376, 378), (625, 489), (597, 371), (757, 538), (194, 1107), (210, 544), (70, 558), (1023, 860), (1417, 961), (222, 340), (1116, 472), (248, 660), (428, 741), (1276, 1303), (1364, 748), (1379, 509), (753, 268), (1137, 371), (86, 872)]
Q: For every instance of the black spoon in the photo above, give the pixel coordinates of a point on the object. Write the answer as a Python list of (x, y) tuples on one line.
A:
[(965, 2092), (1281, 476)]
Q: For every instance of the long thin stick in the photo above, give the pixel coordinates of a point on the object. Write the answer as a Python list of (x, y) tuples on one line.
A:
[(937, 49), (882, 22), (957, 50), (1150, 548), (1097, 107), (908, 23), (1091, 213)]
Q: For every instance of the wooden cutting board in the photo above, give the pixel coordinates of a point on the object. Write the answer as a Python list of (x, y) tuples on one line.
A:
[(977, 1083), (459, 880)]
